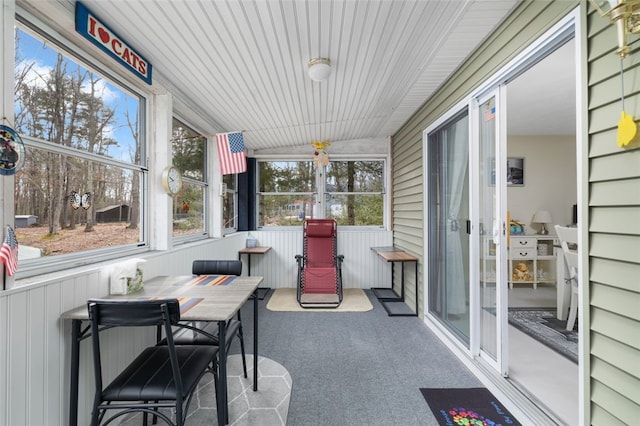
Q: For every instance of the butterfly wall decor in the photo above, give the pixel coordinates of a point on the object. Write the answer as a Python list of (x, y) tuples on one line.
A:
[(78, 200)]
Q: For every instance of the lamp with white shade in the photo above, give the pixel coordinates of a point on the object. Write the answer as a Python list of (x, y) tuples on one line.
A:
[(543, 217), (319, 69)]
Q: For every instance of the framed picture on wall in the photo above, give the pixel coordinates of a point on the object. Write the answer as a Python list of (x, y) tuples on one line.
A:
[(515, 172)]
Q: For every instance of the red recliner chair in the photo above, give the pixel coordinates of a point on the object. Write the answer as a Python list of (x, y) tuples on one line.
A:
[(319, 266)]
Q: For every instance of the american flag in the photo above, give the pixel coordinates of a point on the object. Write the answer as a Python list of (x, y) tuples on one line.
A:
[(231, 153), (9, 251), (490, 111)]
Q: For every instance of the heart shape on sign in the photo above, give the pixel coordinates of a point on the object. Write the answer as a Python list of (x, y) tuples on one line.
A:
[(104, 36)]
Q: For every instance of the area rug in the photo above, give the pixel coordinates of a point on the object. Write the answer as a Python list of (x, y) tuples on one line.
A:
[(268, 406), (285, 300), (467, 406), (543, 325)]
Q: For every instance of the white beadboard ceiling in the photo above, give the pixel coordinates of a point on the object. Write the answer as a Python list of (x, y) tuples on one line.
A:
[(242, 65)]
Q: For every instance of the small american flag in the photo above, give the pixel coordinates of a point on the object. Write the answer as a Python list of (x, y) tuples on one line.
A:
[(9, 251), (490, 111), (231, 153)]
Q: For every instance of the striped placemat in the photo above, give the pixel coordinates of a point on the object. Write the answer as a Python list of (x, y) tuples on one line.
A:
[(185, 303), (208, 280)]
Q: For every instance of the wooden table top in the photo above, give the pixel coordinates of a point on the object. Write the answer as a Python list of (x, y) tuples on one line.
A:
[(210, 302), (396, 256), (385, 248), (254, 250)]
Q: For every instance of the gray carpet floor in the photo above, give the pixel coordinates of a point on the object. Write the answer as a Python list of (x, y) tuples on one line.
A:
[(268, 406), (356, 368), (345, 368)]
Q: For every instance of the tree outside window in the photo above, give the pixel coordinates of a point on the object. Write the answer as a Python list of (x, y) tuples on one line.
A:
[(230, 203), (286, 192), (80, 186), (352, 192), (189, 156)]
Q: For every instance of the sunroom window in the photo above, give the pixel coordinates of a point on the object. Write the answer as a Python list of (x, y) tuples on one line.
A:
[(189, 206), (230, 203), (352, 192), (81, 184), (286, 193)]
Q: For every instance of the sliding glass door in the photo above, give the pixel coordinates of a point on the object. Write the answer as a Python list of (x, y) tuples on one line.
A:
[(466, 215), (466, 251), (491, 230), (448, 201)]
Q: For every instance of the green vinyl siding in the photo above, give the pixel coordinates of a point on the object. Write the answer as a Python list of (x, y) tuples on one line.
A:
[(614, 273), (615, 167), (609, 400), (621, 303), (615, 327), (599, 143), (615, 220), (612, 283), (615, 193)]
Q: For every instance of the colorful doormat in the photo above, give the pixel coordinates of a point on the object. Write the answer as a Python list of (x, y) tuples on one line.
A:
[(467, 406)]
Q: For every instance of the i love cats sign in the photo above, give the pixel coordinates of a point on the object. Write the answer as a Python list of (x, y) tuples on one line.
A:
[(99, 34)]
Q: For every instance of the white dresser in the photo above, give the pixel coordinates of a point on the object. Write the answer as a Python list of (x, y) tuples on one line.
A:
[(531, 260)]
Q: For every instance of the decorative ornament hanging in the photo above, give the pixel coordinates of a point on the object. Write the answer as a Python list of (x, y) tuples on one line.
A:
[(12, 151), (320, 154), (627, 128), (78, 200)]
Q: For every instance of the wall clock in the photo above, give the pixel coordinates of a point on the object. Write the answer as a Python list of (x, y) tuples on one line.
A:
[(11, 151), (171, 180)]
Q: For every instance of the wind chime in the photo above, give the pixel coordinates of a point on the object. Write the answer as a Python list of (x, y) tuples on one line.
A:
[(627, 128), (320, 154)]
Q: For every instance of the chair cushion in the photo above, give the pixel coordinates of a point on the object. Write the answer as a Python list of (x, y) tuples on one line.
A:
[(149, 376), (320, 252), (319, 228), (216, 267), (320, 280)]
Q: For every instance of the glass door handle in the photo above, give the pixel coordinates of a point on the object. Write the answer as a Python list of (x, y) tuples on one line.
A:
[(496, 233)]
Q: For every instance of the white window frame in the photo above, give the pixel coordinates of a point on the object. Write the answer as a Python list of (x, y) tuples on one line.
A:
[(319, 195), (203, 184), (48, 264)]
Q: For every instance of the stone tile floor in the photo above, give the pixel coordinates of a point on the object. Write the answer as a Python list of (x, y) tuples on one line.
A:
[(267, 407)]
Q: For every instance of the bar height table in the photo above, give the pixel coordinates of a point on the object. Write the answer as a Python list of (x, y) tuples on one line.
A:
[(255, 250), (388, 296)]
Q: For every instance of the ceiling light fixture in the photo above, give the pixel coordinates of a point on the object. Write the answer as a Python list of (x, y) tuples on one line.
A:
[(319, 69)]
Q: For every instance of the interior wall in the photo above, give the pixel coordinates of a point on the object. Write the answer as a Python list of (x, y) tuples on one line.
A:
[(549, 179)]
